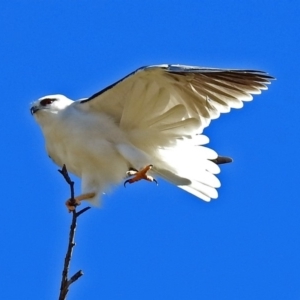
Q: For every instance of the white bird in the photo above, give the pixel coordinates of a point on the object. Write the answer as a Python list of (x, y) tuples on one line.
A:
[(149, 121)]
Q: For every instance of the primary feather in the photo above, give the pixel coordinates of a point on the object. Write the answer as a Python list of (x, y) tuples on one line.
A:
[(155, 115)]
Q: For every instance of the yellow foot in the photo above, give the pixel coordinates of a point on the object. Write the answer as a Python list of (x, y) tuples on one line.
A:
[(138, 175), (71, 205)]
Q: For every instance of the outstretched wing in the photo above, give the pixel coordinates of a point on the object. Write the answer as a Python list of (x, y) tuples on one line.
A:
[(191, 93)]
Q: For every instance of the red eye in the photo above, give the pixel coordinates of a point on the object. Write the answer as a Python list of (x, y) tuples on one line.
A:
[(46, 102)]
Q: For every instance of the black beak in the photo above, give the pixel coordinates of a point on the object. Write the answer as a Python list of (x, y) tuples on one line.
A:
[(34, 109)]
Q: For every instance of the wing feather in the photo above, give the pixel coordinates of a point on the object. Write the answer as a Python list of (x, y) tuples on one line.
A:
[(154, 90), (177, 112), (163, 109)]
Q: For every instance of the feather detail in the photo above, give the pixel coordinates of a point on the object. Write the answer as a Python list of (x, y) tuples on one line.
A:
[(174, 114)]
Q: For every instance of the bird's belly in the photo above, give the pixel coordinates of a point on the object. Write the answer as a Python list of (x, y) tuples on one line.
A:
[(86, 150)]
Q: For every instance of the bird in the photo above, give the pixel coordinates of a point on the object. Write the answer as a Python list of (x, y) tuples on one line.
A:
[(146, 125)]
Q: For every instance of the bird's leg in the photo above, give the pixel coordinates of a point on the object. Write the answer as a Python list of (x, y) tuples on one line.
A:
[(71, 205), (138, 175)]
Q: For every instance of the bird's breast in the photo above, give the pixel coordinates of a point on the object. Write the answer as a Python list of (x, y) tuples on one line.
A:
[(79, 140)]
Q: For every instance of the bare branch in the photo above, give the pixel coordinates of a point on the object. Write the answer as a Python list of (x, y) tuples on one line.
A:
[(75, 277), (65, 282), (82, 211), (65, 174)]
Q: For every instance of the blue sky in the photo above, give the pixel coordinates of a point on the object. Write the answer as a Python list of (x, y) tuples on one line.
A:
[(151, 242)]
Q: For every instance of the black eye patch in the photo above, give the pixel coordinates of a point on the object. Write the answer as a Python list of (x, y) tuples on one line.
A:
[(47, 101)]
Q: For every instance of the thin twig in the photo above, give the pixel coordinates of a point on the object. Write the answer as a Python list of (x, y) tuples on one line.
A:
[(82, 211), (65, 282), (65, 174), (75, 277)]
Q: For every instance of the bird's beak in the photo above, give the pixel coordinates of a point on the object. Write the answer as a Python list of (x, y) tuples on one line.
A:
[(34, 109)]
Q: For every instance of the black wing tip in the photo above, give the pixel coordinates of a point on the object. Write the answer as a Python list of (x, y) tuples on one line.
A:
[(222, 160), (183, 69), (177, 68)]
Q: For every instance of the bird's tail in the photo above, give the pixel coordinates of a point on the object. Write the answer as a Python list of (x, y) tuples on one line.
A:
[(222, 160)]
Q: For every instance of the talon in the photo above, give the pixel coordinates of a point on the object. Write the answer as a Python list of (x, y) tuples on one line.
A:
[(138, 175), (71, 206), (126, 182)]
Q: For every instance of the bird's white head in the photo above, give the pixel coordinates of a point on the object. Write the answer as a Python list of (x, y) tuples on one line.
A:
[(51, 104)]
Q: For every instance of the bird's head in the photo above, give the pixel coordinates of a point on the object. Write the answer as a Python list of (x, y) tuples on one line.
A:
[(49, 105)]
